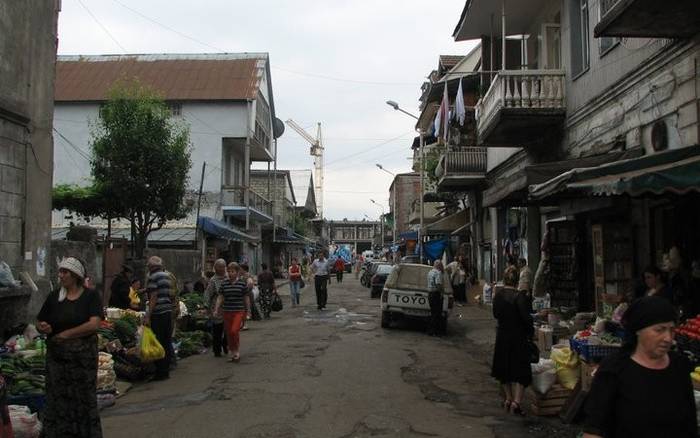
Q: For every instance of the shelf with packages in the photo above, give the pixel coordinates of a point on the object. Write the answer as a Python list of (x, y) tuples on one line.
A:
[(563, 278)]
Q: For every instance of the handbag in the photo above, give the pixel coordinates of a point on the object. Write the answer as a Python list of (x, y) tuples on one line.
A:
[(533, 351), (276, 303), (302, 284)]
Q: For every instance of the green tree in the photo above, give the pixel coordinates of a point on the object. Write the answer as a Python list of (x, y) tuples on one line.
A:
[(140, 164), (141, 159)]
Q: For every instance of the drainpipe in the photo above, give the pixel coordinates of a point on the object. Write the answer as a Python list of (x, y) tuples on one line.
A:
[(503, 36)]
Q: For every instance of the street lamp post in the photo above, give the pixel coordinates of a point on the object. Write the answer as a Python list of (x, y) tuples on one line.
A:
[(393, 203), (381, 221), (395, 105)]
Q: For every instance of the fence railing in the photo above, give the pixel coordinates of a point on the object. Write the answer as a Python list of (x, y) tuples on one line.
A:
[(522, 89), (235, 196), (468, 160)]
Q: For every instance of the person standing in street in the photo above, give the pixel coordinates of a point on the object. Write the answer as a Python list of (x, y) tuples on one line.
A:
[(645, 389), (119, 290), (511, 356), (339, 266), (266, 284), (244, 273), (525, 277), (320, 270), (210, 295), (160, 311), (358, 266), (70, 318), (295, 282), (435, 291), (457, 273), (233, 303)]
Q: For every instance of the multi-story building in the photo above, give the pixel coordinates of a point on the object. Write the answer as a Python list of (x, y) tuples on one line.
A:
[(226, 100), (589, 115), (358, 234), (26, 151)]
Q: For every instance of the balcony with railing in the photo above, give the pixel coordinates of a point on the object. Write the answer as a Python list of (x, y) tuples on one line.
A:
[(648, 19), (520, 105), (233, 204), (462, 168), (261, 143)]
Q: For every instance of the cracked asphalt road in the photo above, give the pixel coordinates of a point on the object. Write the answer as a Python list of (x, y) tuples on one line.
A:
[(334, 374)]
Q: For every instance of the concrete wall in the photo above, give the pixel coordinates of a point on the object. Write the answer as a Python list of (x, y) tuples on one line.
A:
[(28, 32), (186, 264), (209, 123)]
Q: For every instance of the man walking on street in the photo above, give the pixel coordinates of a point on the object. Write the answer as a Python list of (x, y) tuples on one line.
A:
[(320, 270), (435, 290), (160, 310), (216, 321)]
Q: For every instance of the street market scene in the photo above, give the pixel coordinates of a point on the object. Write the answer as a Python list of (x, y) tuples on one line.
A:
[(350, 219)]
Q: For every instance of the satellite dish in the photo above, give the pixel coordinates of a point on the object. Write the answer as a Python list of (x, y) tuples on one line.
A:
[(278, 128)]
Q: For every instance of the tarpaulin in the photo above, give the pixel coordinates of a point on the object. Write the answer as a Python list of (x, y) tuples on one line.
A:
[(434, 248)]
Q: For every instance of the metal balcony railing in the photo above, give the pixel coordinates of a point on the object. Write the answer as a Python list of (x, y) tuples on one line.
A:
[(235, 196), (464, 161)]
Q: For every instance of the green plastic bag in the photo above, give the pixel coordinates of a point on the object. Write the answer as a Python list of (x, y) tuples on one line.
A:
[(151, 350)]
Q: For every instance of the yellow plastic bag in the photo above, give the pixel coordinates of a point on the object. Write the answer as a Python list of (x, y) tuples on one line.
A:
[(567, 365), (151, 349)]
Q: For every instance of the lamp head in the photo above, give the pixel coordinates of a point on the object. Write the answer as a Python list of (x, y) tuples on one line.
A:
[(392, 104), (379, 166)]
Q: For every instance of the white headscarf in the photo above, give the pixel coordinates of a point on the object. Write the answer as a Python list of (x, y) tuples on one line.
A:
[(73, 265)]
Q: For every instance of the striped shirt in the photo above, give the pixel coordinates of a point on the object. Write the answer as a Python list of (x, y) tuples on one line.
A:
[(159, 282), (233, 293)]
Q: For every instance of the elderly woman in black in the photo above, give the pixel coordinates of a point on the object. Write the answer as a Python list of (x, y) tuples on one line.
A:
[(645, 390), (511, 355), (70, 317)]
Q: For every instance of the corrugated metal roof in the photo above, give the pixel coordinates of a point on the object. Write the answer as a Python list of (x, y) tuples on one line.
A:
[(301, 181), (177, 77), (175, 234)]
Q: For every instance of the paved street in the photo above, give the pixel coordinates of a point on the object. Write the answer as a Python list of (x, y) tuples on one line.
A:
[(334, 373)]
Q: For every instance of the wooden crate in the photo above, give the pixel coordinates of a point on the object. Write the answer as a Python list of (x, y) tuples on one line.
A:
[(549, 403)]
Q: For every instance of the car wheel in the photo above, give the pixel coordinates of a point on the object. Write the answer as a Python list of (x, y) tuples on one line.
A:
[(374, 293), (386, 319)]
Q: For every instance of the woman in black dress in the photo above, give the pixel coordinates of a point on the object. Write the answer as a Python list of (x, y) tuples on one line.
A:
[(70, 317), (645, 390), (511, 356)]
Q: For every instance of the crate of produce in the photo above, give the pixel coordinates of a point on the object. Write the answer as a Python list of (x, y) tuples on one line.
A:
[(549, 403), (590, 352)]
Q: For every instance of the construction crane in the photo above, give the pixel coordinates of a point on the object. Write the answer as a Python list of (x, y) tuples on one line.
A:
[(315, 151)]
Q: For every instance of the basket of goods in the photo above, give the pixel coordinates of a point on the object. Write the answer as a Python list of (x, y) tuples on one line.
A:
[(688, 337), (594, 347)]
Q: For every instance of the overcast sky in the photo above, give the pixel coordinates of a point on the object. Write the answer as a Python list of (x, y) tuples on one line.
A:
[(333, 61)]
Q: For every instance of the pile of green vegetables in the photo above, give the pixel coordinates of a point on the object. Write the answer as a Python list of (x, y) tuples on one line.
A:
[(193, 302), (192, 342), (25, 374)]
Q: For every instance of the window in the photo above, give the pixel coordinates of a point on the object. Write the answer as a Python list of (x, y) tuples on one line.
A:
[(606, 43), (580, 49), (175, 109)]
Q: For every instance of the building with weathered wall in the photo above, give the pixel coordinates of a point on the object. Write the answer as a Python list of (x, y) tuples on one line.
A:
[(28, 38)]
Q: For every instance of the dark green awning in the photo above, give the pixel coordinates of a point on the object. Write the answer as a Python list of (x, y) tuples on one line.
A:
[(676, 171)]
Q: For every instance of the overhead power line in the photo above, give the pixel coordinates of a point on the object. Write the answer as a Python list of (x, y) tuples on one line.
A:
[(102, 26)]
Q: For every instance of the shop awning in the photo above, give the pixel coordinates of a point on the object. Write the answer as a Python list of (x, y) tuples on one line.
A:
[(676, 171), (223, 230), (448, 224), (409, 235), (464, 229), (512, 191)]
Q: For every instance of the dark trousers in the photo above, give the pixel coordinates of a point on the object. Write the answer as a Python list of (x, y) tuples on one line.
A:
[(218, 338), (460, 292), (435, 301), (339, 276), (321, 284), (162, 326)]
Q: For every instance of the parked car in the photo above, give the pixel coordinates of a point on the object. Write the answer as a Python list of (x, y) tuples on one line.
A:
[(405, 294), (378, 279), (371, 269)]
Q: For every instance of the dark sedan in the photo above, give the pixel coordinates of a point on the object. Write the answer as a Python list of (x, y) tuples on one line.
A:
[(378, 279)]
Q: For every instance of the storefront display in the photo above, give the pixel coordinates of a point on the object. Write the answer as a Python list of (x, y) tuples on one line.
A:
[(563, 277)]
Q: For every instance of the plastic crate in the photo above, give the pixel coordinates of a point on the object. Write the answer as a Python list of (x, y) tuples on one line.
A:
[(591, 352)]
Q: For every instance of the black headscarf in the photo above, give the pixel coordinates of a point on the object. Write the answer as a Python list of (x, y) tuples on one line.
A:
[(643, 313)]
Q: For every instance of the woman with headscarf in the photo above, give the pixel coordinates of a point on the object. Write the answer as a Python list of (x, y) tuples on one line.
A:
[(645, 390), (511, 355), (70, 317)]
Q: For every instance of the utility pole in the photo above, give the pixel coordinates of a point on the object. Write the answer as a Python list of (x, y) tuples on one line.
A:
[(199, 205)]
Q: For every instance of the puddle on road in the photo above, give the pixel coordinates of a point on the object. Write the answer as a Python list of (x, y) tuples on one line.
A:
[(362, 321)]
